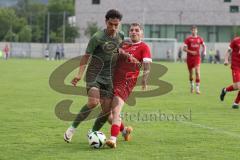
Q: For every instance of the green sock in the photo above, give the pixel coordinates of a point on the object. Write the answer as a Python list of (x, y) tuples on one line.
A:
[(100, 121), (82, 115)]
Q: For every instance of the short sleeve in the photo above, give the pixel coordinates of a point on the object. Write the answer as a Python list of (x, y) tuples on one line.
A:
[(232, 44), (186, 41), (202, 40), (146, 54), (92, 44)]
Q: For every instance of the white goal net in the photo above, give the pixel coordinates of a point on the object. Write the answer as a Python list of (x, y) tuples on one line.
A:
[(163, 48)]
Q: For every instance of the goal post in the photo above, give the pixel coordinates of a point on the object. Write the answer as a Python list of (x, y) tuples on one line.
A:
[(163, 48)]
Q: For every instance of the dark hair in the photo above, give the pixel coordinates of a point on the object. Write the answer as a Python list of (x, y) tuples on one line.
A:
[(112, 13), (194, 27)]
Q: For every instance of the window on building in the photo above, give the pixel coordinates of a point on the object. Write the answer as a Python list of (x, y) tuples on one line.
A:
[(212, 34), (147, 31), (125, 29), (225, 33), (182, 32), (152, 31), (155, 31), (181, 36), (95, 1), (234, 9), (227, 0)]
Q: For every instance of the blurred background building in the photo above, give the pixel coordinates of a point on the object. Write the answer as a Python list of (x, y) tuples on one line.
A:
[(217, 20), (32, 27)]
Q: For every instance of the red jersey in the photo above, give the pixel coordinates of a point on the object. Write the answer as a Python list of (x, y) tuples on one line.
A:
[(126, 72), (126, 69), (193, 44), (6, 50), (235, 46)]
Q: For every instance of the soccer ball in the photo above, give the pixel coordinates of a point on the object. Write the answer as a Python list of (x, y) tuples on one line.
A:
[(96, 139)]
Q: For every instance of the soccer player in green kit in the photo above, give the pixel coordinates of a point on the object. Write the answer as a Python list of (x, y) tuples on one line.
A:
[(101, 53)]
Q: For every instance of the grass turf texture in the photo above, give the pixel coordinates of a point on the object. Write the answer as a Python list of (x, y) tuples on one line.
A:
[(30, 130)]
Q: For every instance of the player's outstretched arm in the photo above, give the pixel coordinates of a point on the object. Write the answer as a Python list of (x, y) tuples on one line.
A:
[(226, 57), (146, 71), (204, 49), (82, 67)]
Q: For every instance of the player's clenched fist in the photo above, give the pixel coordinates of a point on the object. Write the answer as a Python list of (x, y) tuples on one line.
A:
[(75, 81), (225, 63)]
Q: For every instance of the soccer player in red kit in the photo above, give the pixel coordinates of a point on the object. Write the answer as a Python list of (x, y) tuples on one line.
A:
[(125, 77), (234, 50), (6, 51), (192, 46)]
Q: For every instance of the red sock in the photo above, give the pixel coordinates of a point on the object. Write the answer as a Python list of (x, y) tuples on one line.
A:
[(230, 88), (115, 129), (121, 127), (237, 100), (197, 80)]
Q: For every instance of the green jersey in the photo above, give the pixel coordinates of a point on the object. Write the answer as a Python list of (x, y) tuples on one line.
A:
[(103, 50)]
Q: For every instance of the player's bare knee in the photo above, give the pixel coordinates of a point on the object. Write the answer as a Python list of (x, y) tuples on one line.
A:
[(238, 85), (93, 103), (114, 113), (106, 110)]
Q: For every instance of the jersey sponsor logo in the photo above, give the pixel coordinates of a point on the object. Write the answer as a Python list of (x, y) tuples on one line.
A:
[(194, 45), (134, 48)]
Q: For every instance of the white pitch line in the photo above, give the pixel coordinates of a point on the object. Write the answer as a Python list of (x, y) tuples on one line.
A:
[(216, 130), (212, 129)]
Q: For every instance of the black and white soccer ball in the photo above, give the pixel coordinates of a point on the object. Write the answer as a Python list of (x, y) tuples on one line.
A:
[(96, 139)]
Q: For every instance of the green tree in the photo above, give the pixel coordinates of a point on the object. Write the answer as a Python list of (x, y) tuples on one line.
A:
[(60, 6), (25, 35), (72, 33), (91, 29), (10, 24), (10, 37), (59, 10), (37, 33), (22, 8), (31, 16), (6, 16), (35, 14)]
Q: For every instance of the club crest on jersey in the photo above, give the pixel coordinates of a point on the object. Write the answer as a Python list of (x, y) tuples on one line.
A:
[(109, 47)]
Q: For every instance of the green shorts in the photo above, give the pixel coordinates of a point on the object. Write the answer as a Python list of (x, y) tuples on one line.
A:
[(106, 90)]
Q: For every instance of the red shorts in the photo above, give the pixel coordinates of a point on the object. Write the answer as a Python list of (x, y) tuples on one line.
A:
[(193, 62), (236, 75), (123, 88)]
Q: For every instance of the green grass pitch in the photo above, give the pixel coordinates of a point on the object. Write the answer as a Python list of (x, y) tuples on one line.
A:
[(31, 131)]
